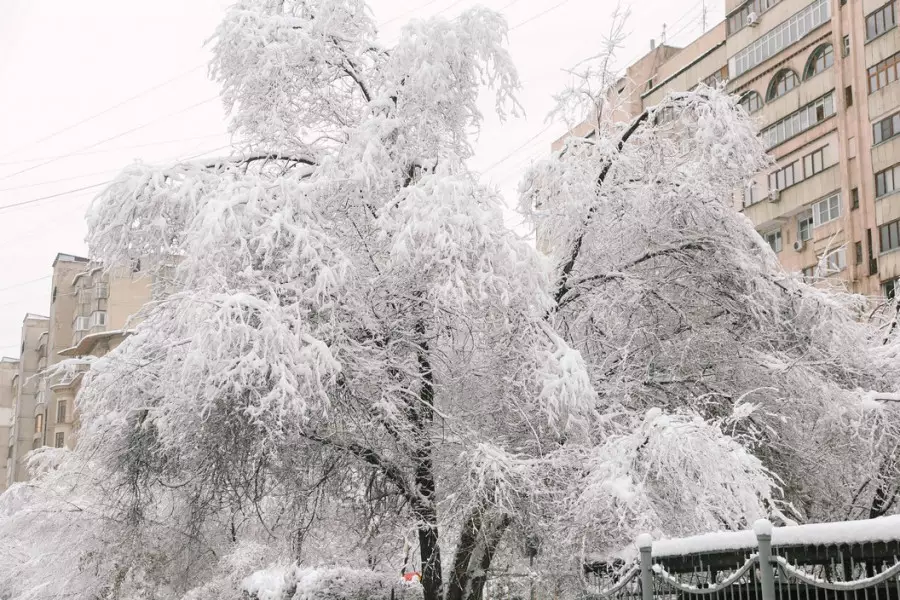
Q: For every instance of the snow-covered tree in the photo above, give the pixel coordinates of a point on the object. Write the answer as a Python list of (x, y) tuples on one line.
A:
[(359, 363), (675, 302)]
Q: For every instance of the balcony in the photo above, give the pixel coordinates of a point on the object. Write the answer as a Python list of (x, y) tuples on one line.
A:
[(800, 96), (886, 154), (794, 199)]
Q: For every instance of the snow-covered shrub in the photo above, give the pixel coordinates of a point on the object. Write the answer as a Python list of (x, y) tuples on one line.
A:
[(297, 583)]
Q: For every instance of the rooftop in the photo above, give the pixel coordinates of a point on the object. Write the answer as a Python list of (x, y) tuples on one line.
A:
[(60, 257)]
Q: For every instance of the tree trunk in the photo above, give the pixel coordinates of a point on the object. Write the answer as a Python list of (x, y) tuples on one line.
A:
[(456, 588), (477, 545), (425, 485), (490, 544)]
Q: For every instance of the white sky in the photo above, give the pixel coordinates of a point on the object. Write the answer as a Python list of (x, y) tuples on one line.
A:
[(62, 62)]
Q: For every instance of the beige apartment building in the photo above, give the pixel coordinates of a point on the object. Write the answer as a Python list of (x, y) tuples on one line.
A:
[(9, 367), (90, 312), (25, 388), (821, 79)]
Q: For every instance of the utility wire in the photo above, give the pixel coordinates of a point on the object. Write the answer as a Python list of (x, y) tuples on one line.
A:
[(109, 139), (110, 150), (106, 110), (92, 186), (48, 182), (66, 193), (21, 283), (537, 16)]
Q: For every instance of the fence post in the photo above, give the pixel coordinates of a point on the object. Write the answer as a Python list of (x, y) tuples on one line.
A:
[(763, 530), (645, 543)]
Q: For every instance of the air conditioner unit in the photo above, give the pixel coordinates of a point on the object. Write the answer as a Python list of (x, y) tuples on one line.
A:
[(799, 245), (774, 195), (752, 20)]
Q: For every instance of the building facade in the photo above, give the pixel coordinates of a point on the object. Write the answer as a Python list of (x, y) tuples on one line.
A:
[(9, 367), (820, 77), (25, 388), (91, 310)]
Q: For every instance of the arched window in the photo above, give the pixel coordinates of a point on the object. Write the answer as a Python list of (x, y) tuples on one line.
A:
[(751, 102), (822, 58), (784, 81)]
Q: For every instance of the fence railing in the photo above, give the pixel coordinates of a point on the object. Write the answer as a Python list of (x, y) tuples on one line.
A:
[(845, 561)]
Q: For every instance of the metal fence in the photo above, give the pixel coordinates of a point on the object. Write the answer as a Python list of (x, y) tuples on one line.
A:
[(827, 570)]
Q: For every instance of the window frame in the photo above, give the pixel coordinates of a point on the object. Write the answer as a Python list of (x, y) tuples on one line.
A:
[(880, 14), (889, 237), (823, 52), (775, 243), (747, 99), (778, 85), (785, 34), (891, 176), (833, 209)]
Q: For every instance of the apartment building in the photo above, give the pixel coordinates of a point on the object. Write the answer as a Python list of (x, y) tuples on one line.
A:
[(105, 303), (821, 79), (9, 367), (90, 312), (25, 389)]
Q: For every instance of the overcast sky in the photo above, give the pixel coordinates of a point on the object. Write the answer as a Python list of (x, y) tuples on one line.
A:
[(140, 66)]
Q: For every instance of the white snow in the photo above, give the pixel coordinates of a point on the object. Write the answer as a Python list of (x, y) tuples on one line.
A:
[(814, 534)]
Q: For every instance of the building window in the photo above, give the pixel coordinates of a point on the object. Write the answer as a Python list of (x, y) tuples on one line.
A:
[(773, 238), (751, 194), (101, 290), (53, 295), (890, 289), (784, 81), (814, 163), (717, 77), (751, 102), (98, 318), (848, 96), (741, 17), (886, 128), (81, 323), (880, 21), (835, 262), (808, 273), (822, 58), (883, 73), (854, 198), (890, 236), (780, 37), (61, 411), (827, 210), (39, 423), (859, 252), (60, 439), (846, 46), (799, 121), (886, 181), (804, 226), (784, 177)]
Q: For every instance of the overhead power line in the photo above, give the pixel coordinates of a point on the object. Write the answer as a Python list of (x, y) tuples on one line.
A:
[(60, 194), (91, 186), (107, 110), (111, 150), (538, 16), (21, 283), (109, 139)]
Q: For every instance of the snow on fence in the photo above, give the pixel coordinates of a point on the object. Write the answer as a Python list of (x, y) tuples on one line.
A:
[(852, 560)]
